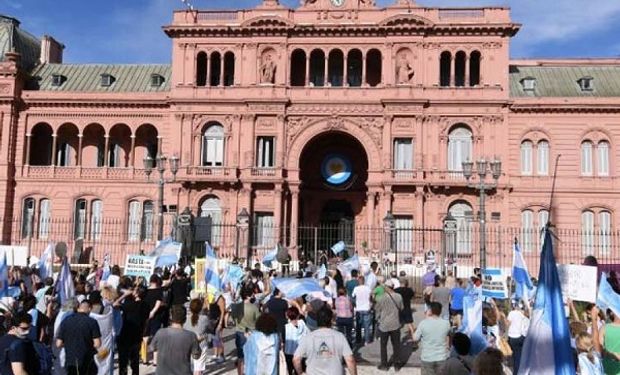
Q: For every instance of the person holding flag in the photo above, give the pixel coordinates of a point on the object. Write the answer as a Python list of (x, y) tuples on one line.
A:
[(523, 282), (609, 334)]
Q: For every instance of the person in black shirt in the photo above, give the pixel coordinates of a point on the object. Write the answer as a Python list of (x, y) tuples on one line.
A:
[(135, 314), (17, 356), (80, 336), (276, 307), (179, 288), (406, 314)]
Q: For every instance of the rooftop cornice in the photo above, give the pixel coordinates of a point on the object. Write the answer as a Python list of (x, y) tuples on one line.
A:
[(562, 108)]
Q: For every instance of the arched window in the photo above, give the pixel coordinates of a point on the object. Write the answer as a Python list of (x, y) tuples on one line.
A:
[(543, 219), (474, 68), (213, 146), (374, 62), (459, 69), (604, 226), (133, 221), (317, 68), (41, 145), (462, 213), (459, 147), (603, 158), (542, 159), (526, 158), (336, 68), (96, 219), (229, 69), (586, 158), (211, 208), (354, 68), (201, 69), (27, 217), (445, 63), (298, 68), (215, 73), (79, 219), (587, 232), (527, 230), (45, 216), (148, 216)]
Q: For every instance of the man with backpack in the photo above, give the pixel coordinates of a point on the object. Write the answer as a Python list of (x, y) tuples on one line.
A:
[(79, 334), (17, 354)]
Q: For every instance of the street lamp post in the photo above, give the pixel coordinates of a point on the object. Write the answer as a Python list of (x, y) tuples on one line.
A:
[(388, 226), (483, 168), (159, 162), (243, 223)]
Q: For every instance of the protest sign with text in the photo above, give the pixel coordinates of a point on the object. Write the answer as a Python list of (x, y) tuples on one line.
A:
[(140, 265), (494, 284), (579, 283)]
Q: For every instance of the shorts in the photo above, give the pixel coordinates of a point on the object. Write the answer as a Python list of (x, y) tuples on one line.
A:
[(217, 340), (240, 341)]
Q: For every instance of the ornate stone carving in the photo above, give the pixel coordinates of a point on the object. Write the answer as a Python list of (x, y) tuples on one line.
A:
[(404, 70), (403, 123), (265, 123), (374, 127), (268, 67), (334, 123), (294, 126)]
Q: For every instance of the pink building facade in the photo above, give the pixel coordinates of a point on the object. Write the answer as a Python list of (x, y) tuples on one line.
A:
[(335, 112)]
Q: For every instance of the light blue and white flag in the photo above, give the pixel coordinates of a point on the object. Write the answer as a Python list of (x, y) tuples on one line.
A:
[(4, 276), (322, 272), (293, 288), (349, 265), (523, 282), (168, 253), (45, 263), (209, 252), (233, 276), (338, 247), (106, 267), (270, 257), (64, 285), (212, 277), (472, 321), (547, 348), (607, 298)]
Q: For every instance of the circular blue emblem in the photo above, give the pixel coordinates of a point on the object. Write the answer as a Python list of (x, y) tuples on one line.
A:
[(336, 169)]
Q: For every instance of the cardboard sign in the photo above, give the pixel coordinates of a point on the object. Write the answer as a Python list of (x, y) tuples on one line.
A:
[(15, 255), (140, 265), (579, 283), (199, 275), (494, 283)]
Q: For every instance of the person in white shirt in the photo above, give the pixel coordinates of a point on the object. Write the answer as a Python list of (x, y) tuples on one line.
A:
[(518, 324), (371, 277), (394, 279), (363, 315)]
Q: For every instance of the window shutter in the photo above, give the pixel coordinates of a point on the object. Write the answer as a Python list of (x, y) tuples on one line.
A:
[(586, 158), (543, 158), (603, 158)]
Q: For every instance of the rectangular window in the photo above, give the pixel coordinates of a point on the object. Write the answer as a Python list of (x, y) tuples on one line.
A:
[(403, 225), (403, 154), (212, 152), (603, 159), (79, 219), (265, 152), (27, 217), (45, 215), (543, 219), (527, 230), (133, 221), (543, 158), (148, 216), (263, 229)]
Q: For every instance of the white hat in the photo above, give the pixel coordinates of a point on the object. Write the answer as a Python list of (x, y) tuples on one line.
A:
[(389, 283)]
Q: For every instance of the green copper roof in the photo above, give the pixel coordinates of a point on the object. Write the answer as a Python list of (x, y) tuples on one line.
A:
[(563, 81), (12, 38), (87, 77)]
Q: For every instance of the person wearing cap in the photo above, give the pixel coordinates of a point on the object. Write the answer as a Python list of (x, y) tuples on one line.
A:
[(79, 334), (388, 308)]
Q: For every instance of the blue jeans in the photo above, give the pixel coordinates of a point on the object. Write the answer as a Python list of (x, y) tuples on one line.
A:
[(240, 341), (345, 325), (363, 320)]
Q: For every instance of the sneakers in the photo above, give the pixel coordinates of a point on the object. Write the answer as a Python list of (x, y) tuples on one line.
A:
[(219, 360), (383, 367)]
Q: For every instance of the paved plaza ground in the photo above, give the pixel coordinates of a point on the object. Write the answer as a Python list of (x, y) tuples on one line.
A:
[(367, 356)]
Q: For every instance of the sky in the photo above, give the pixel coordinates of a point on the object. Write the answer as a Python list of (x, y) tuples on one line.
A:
[(129, 31)]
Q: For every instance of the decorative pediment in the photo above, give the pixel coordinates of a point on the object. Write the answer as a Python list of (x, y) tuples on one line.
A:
[(267, 22), (405, 20)]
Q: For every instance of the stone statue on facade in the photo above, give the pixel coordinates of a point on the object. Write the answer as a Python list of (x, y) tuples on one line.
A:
[(267, 70), (307, 2), (404, 71), (185, 231)]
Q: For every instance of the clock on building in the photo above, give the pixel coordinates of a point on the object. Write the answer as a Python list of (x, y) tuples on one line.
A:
[(337, 3)]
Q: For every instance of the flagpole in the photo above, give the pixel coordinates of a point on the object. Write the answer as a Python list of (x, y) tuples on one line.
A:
[(555, 175)]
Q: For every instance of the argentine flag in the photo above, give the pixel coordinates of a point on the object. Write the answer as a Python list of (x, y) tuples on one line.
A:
[(45, 263), (233, 276), (212, 278), (607, 298), (322, 272), (270, 257), (338, 247), (523, 282), (547, 348), (293, 288), (472, 321), (106, 267), (349, 265), (4, 277), (64, 286)]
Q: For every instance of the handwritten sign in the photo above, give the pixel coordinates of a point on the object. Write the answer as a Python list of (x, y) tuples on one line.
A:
[(199, 275), (15, 255), (579, 283), (494, 283), (140, 265)]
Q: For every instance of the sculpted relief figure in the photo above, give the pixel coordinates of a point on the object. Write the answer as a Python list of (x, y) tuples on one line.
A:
[(307, 2), (267, 70), (367, 3), (404, 71)]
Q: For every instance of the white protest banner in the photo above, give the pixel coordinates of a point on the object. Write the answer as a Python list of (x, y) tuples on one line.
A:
[(494, 283), (579, 283), (140, 265), (15, 255)]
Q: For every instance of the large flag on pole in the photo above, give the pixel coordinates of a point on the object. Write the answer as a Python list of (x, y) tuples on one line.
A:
[(4, 276), (547, 348), (212, 277), (64, 285), (523, 282), (233, 276), (607, 298), (349, 265), (472, 321), (45, 263), (293, 288), (338, 247), (270, 257)]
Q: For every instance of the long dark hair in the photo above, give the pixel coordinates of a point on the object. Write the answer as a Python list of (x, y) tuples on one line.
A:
[(195, 307)]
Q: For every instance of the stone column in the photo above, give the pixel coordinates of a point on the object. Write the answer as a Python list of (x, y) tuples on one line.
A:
[(307, 83), (27, 161), (54, 145), (364, 69), (294, 215), (466, 83), (326, 68), (345, 74), (208, 72), (222, 70), (418, 219), (132, 159), (106, 159), (277, 211), (79, 151), (370, 204)]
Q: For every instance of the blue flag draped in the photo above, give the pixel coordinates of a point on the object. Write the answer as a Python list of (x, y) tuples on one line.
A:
[(523, 282), (472, 321), (607, 298), (338, 247), (4, 276), (212, 277), (233, 276), (293, 288), (64, 285), (45, 263), (547, 347), (349, 265), (270, 257)]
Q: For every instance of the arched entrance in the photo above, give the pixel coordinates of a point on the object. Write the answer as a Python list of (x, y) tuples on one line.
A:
[(333, 173)]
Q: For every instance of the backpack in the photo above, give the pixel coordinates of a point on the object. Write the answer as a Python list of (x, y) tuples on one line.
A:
[(45, 358)]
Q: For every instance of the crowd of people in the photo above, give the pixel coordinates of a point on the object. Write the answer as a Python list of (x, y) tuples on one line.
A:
[(166, 323)]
